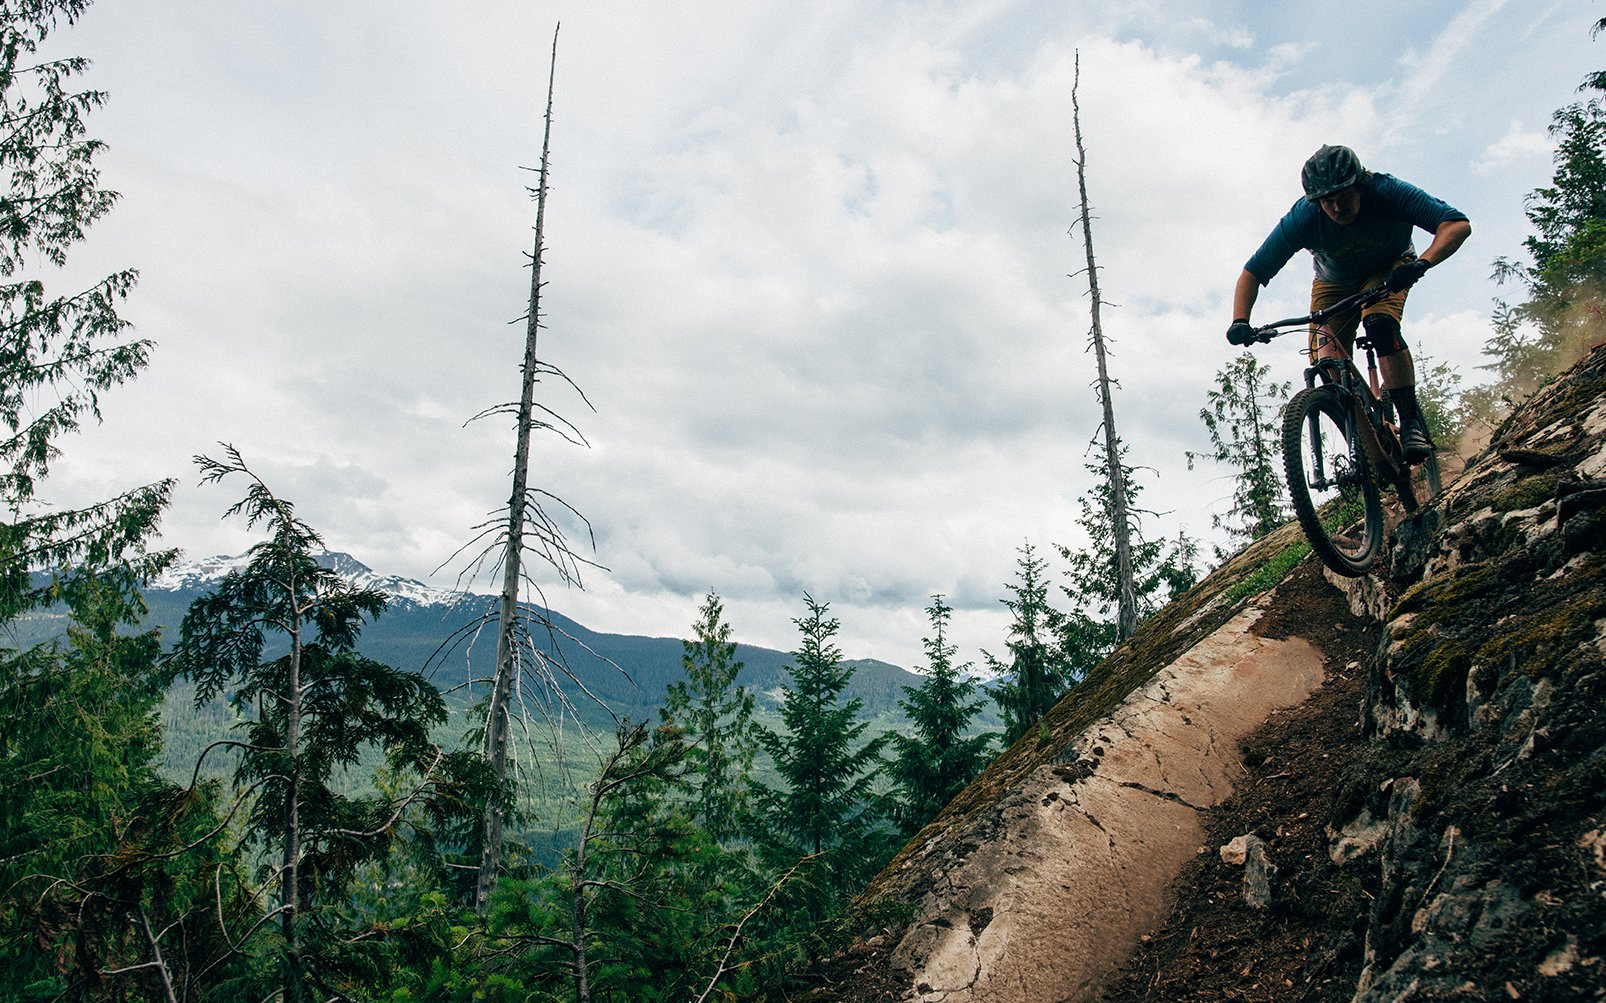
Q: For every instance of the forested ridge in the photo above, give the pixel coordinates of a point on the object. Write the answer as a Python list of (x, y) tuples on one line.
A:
[(334, 810)]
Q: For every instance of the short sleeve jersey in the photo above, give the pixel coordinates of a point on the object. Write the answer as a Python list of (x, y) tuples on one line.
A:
[(1380, 235)]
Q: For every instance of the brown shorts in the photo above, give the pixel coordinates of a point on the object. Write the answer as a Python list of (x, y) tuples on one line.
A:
[(1343, 326)]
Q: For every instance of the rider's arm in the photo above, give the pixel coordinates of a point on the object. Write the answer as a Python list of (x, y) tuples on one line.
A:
[(1401, 200), (1244, 295), (1447, 238)]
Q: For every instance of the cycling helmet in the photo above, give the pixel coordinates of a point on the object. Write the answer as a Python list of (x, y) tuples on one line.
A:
[(1331, 169)]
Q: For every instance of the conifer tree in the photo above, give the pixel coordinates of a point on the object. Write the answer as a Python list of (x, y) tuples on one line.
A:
[(938, 759), (58, 353), (1089, 629), (528, 530), (1243, 417), (111, 872), (638, 908), (279, 637), (1035, 677), (716, 715), (1119, 521), (1564, 279), (613, 918), (77, 737), (825, 805)]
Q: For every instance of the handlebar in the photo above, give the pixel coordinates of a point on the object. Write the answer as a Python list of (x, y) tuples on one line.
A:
[(1364, 298)]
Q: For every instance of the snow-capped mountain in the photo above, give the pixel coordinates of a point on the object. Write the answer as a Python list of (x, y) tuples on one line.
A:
[(202, 572), (627, 672)]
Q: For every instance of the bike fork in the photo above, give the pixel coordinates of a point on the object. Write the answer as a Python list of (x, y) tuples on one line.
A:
[(1318, 477)]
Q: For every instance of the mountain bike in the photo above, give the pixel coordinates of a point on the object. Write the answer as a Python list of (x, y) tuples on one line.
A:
[(1341, 446)]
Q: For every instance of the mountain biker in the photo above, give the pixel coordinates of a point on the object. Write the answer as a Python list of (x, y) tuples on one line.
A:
[(1357, 226)]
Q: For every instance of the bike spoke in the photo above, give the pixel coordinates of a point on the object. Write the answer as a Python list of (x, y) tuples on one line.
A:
[(1330, 483)]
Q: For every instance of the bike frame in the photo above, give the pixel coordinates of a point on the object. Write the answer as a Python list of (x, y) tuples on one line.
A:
[(1368, 410)]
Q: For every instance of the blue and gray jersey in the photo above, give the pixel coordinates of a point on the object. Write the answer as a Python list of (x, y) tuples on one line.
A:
[(1380, 235)]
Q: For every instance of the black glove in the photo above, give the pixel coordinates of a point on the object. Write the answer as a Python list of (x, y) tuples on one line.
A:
[(1240, 333), (1405, 276)]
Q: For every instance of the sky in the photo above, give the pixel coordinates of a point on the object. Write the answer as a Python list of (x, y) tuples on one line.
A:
[(812, 267)]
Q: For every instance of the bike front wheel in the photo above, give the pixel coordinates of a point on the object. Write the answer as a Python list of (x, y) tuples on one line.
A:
[(1332, 486)]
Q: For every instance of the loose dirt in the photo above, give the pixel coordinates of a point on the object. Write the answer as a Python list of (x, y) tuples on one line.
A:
[(1308, 945)]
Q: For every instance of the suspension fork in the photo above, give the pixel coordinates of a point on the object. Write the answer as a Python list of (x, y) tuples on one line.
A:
[(1330, 373), (1314, 434)]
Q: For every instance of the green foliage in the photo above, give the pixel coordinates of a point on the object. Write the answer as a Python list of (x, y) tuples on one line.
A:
[(105, 866), (1268, 574), (95, 886), (1564, 279), (623, 867), (1035, 677), (639, 908), (1160, 571), (58, 354), (716, 715), (311, 706), (1242, 419), (1438, 394), (825, 806), (938, 759)]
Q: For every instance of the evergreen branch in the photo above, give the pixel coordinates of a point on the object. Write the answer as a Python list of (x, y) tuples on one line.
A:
[(423, 785), (736, 933)]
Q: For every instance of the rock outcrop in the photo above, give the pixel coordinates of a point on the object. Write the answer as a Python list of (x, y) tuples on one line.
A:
[(1416, 762), (1492, 673)]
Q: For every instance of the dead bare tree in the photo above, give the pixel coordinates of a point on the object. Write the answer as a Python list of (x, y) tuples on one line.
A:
[(1128, 613), (526, 527)]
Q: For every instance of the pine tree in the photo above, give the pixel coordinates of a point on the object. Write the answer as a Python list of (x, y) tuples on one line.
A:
[(1564, 279), (279, 638), (716, 715), (643, 905), (58, 354), (939, 758), (525, 528), (1089, 629), (1035, 677), (616, 915), (77, 736), (825, 806), (107, 866), (1243, 418)]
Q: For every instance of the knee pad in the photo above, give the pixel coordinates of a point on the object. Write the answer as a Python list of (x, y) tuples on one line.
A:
[(1384, 332)]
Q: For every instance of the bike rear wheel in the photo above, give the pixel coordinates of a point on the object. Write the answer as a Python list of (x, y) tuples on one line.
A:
[(1432, 483), (1332, 486)]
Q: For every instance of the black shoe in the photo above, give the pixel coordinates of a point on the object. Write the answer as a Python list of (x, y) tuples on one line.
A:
[(1415, 442)]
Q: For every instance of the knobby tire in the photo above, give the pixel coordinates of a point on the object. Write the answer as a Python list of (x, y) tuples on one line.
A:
[(1432, 484), (1333, 488)]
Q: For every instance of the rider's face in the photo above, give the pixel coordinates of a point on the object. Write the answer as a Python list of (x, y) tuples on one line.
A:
[(1342, 207)]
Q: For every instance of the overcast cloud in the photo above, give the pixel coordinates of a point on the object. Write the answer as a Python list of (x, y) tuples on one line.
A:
[(811, 265)]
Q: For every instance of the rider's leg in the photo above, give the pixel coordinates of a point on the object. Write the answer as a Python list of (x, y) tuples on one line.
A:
[(1325, 343), (1398, 370), (1336, 338), (1399, 377)]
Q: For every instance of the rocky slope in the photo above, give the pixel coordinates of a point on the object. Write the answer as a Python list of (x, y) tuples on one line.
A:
[(1415, 761)]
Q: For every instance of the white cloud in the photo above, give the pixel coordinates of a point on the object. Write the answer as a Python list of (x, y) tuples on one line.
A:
[(1517, 144), (811, 269)]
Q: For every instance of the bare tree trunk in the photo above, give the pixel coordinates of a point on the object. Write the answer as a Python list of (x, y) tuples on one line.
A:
[(507, 662), (1112, 456), (156, 957), (581, 923), (290, 883)]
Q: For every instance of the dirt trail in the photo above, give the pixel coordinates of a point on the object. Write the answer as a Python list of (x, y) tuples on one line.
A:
[(1101, 835), (1212, 946)]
